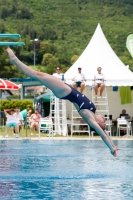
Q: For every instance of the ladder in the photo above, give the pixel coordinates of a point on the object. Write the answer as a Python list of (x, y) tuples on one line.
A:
[(78, 125), (102, 107), (58, 115)]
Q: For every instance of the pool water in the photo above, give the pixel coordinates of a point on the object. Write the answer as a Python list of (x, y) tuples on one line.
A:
[(65, 170)]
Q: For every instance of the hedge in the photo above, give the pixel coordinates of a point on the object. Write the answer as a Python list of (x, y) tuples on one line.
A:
[(21, 104)]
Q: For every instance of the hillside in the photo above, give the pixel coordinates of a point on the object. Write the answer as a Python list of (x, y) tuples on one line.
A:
[(64, 28)]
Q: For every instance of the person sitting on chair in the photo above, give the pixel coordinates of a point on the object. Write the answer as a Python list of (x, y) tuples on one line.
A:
[(19, 118), (79, 79), (84, 106), (99, 79), (125, 116), (58, 74), (123, 113), (11, 121), (35, 119)]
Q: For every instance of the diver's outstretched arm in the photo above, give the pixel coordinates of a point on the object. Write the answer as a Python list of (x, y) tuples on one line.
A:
[(111, 140), (105, 137), (89, 117)]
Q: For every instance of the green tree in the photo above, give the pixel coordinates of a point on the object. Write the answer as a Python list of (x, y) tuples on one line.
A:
[(2, 26), (45, 47), (6, 69), (50, 62), (74, 58)]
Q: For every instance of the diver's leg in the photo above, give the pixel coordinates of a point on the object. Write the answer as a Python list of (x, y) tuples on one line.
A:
[(58, 87)]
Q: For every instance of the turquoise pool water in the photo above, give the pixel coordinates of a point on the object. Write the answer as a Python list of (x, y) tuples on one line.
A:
[(65, 170)]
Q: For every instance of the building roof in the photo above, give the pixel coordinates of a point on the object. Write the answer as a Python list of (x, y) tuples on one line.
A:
[(26, 82)]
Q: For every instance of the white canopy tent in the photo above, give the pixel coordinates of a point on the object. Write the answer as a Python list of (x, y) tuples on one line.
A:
[(99, 53)]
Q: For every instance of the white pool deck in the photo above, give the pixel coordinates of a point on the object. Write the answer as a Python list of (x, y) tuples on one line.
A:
[(67, 138)]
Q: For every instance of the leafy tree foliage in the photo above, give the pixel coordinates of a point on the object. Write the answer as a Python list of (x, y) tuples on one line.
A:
[(64, 28), (74, 58), (50, 62)]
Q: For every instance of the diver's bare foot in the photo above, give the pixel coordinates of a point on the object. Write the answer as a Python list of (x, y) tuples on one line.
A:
[(11, 55)]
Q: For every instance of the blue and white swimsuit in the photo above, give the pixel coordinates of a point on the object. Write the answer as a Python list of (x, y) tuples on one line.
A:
[(83, 102)]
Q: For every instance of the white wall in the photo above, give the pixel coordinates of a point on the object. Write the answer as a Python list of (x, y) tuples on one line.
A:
[(115, 106), (114, 101)]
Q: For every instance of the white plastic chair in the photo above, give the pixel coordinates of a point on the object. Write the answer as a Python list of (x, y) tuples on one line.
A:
[(123, 124), (46, 124)]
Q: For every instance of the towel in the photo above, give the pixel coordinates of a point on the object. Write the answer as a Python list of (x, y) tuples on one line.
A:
[(125, 95)]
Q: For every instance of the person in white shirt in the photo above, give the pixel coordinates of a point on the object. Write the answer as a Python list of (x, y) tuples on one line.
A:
[(99, 79), (19, 119), (58, 74), (11, 121), (79, 79)]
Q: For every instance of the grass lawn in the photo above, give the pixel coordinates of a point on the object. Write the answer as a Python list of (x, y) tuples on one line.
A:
[(23, 133), (26, 133)]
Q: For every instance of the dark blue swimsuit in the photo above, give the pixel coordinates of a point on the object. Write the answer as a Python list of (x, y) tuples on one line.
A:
[(83, 102)]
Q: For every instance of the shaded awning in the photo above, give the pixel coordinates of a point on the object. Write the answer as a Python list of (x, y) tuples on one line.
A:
[(44, 97)]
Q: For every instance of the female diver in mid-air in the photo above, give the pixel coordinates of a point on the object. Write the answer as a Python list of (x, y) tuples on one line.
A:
[(61, 90)]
